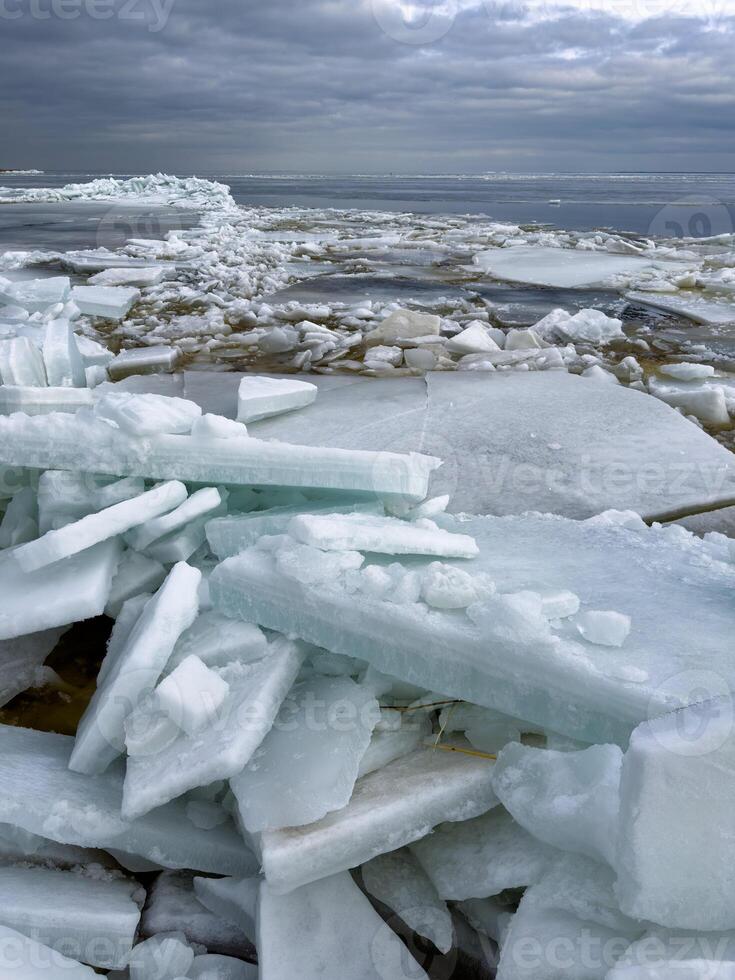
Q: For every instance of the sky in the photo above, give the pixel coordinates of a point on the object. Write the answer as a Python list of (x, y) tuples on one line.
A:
[(367, 86)]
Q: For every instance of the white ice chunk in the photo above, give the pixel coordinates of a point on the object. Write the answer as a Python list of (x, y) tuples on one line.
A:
[(559, 604), (687, 371), (197, 505), (707, 402), (41, 600), (31, 960), (389, 808), (20, 521), (676, 846), (587, 326), (385, 535), (563, 268), (95, 528), (36, 295), (256, 692), (144, 360), (217, 641), (40, 794), (165, 957), (260, 397), (117, 491), (64, 364), (568, 799), (111, 302), (140, 277), (474, 339), (307, 767), (147, 415), (447, 587), (218, 427), (606, 628), (21, 363), (398, 881), (135, 574), (41, 401), (191, 695), (329, 930), (482, 857), (96, 917), (133, 670), (403, 325), (91, 445), (21, 660), (486, 730)]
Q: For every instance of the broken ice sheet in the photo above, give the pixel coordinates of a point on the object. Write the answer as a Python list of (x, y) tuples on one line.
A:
[(40, 794), (64, 363), (398, 881), (518, 662), (387, 535), (217, 641), (223, 748), (36, 961), (308, 763), (40, 401), (260, 397), (93, 919), (21, 363), (390, 807), (234, 900), (128, 673), (328, 929), (111, 302), (143, 360), (34, 601)]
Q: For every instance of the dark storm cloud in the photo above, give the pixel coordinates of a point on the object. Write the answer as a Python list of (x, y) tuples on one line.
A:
[(320, 86)]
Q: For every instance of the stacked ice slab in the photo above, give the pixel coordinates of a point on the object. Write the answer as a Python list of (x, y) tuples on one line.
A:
[(331, 715)]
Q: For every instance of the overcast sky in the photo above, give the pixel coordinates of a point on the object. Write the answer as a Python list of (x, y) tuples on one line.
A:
[(367, 86)]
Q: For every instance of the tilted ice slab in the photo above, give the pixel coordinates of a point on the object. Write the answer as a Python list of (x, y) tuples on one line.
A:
[(95, 917), (111, 302), (21, 660), (79, 442), (21, 363), (218, 641), (140, 277), (64, 363), (508, 444), (95, 528), (384, 535), (223, 748), (40, 794), (43, 401), (308, 767), (691, 305), (233, 899), (564, 268), (329, 930), (132, 667), (143, 360), (259, 397), (389, 808), (32, 960), (518, 663), (57, 595), (36, 295)]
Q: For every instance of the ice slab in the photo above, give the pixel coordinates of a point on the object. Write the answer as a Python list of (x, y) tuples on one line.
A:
[(31, 960), (21, 363), (144, 360), (21, 660), (36, 295), (706, 401), (96, 918), (111, 302), (260, 397), (131, 671), (307, 767), (229, 535), (20, 520), (233, 899), (140, 276), (222, 749), (398, 881), (508, 656), (482, 857), (42, 401), (691, 305), (64, 363), (64, 497), (217, 641), (200, 503), (568, 799), (212, 966), (136, 574), (384, 535), (36, 601), (147, 414), (74, 538), (77, 443), (389, 808), (40, 794), (564, 268), (676, 849), (172, 906), (161, 958), (329, 930)]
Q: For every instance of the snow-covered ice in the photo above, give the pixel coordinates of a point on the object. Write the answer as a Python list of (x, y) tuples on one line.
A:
[(386, 535)]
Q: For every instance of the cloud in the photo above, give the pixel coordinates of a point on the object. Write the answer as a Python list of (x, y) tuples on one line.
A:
[(343, 85)]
